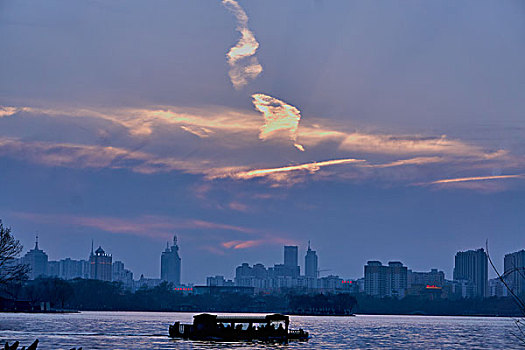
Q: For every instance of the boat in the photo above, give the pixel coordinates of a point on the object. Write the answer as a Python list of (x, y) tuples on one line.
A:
[(272, 328)]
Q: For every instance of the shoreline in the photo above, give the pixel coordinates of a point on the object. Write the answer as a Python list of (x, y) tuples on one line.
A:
[(263, 312)]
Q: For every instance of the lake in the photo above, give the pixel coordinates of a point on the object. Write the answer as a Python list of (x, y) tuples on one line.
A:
[(148, 330)]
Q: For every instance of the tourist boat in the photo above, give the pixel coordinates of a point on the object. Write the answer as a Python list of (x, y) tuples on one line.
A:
[(273, 327)]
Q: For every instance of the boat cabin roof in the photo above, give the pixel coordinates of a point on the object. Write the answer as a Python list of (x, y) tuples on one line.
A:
[(209, 318)]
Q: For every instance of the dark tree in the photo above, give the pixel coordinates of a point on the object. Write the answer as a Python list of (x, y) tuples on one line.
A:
[(11, 272), (518, 299)]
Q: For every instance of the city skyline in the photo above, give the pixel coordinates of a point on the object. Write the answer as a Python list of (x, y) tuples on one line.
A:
[(377, 131), (173, 273)]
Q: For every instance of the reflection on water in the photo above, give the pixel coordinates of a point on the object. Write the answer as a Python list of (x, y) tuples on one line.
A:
[(140, 330)]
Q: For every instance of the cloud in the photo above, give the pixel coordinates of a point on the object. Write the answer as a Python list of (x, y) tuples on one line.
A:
[(390, 144), (475, 178), (241, 244), (238, 206), (7, 111), (244, 66), (281, 172), (411, 161), (152, 226), (280, 118), (224, 146), (200, 132), (267, 240), (97, 157)]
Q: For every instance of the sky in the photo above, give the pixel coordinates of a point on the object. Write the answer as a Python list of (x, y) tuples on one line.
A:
[(376, 130)]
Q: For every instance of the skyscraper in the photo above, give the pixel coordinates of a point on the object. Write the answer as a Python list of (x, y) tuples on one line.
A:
[(471, 266), (514, 269), (290, 255), (310, 263), (100, 265), (36, 259), (170, 262)]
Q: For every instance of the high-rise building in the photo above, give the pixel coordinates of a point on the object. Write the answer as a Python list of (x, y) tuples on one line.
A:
[(291, 255), (514, 271), (310, 263), (432, 278), (382, 281), (497, 288), (218, 281), (53, 269), (170, 263), (398, 279), (291, 261), (36, 259), (70, 269), (100, 265), (120, 274), (376, 276), (472, 267)]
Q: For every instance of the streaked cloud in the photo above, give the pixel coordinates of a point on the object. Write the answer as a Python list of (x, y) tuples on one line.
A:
[(475, 178), (153, 226), (88, 156), (241, 244), (280, 172), (156, 144), (266, 240), (400, 145), (281, 119), (411, 161), (244, 66)]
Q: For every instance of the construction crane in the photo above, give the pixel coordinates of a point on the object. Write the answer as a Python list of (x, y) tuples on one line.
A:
[(323, 270)]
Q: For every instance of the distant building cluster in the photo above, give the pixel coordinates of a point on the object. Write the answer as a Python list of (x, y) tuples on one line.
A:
[(100, 266), (394, 280), (281, 277)]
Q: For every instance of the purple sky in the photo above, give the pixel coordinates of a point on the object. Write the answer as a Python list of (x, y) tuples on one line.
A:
[(390, 131)]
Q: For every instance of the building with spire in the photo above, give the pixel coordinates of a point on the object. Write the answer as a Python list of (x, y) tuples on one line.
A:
[(170, 263), (100, 265), (310, 263), (37, 260)]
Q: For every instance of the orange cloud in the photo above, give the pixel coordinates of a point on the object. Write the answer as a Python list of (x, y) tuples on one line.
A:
[(475, 178), (7, 111), (241, 244), (311, 167)]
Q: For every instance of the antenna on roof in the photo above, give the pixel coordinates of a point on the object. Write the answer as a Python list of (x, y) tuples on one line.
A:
[(91, 246), (36, 242)]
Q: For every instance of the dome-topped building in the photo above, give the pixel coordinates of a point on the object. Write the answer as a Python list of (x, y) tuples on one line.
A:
[(100, 263), (37, 260)]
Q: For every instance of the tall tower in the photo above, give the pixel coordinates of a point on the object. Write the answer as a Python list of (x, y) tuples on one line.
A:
[(170, 262), (36, 259), (310, 263), (472, 266)]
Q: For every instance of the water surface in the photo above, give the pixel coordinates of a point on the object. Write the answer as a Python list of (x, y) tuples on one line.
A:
[(148, 330)]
